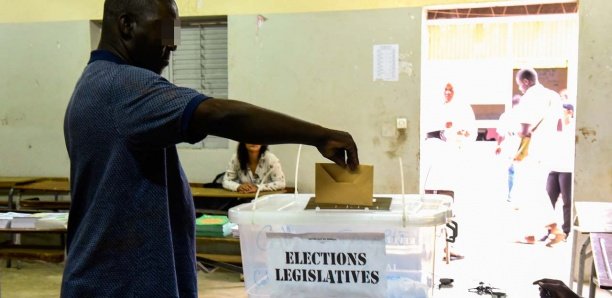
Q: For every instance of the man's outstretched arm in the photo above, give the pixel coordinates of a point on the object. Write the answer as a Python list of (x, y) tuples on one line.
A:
[(248, 123)]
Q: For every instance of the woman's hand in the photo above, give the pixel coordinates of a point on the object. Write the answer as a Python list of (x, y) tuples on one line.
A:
[(247, 188)]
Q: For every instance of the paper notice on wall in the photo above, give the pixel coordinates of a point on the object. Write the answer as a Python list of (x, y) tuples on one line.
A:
[(326, 265), (386, 62)]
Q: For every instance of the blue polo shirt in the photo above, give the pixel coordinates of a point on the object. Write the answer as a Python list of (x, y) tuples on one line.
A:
[(131, 224)]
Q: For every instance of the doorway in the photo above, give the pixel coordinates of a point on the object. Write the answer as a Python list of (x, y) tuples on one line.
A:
[(479, 50)]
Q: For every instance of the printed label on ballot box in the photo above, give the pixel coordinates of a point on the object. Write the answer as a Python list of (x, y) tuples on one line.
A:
[(345, 264)]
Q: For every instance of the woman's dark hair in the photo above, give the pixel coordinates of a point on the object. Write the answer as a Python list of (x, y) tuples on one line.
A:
[(243, 155)]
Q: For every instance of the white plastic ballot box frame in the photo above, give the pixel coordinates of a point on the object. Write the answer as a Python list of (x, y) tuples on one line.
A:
[(411, 228)]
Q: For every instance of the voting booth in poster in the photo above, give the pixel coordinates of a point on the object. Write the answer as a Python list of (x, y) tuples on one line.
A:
[(289, 250)]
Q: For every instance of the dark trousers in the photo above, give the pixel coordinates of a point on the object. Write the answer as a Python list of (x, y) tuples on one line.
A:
[(561, 183), (449, 193)]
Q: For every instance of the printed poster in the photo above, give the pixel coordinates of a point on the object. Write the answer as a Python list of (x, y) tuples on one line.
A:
[(326, 264)]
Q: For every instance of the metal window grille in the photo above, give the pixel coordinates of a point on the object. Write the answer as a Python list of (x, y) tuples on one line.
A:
[(200, 62)]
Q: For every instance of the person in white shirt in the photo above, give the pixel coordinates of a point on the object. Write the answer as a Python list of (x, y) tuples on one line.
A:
[(539, 114), (457, 118), (560, 177), (508, 141), (253, 165), (450, 128)]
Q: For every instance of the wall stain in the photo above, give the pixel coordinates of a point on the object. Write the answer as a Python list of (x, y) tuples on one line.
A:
[(376, 141), (397, 145), (589, 134), (11, 119)]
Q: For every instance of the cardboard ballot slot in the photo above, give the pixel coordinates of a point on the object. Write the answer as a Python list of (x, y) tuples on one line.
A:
[(336, 185)]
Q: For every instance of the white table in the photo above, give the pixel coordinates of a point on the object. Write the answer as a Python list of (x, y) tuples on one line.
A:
[(593, 217), (601, 246)]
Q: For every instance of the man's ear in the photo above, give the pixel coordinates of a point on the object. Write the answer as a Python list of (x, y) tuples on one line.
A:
[(526, 82), (126, 26)]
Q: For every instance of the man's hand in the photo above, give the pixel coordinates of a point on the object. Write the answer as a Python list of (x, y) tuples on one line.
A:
[(340, 148), (554, 288)]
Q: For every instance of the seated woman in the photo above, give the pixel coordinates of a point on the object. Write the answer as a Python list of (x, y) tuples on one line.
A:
[(249, 166)]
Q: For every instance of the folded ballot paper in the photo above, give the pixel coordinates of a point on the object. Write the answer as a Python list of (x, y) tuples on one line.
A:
[(337, 185), (213, 226)]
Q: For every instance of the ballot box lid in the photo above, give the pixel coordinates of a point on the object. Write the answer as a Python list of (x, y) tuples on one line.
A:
[(405, 210)]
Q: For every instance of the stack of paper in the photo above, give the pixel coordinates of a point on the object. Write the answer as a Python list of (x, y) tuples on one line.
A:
[(24, 222), (213, 226), (51, 220), (17, 220), (5, 223)]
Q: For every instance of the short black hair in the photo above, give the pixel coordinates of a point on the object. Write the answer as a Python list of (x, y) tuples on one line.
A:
[(528, 74), (114, 8)]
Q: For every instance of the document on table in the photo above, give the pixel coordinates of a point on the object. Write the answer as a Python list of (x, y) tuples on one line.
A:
[(24, 222)]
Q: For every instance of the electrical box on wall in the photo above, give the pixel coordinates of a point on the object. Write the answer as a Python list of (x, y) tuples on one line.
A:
[(401, 123)]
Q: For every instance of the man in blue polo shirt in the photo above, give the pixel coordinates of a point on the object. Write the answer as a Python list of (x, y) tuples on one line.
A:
[(131, 224)]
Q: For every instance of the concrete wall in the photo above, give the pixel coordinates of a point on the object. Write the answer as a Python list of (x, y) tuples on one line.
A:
[(40, 65), (321, 70), (593, 169)]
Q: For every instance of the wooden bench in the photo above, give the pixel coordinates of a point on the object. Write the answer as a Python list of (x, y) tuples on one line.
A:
[(223, 252), (8, 184), (35, 204), (50, 253), (47, 186), (32, 252)]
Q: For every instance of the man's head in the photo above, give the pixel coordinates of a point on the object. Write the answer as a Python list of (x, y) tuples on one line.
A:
[(525, 78), (449, 92), (142, 32)]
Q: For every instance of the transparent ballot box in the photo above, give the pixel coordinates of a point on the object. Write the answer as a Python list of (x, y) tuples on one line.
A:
[(292, 247)]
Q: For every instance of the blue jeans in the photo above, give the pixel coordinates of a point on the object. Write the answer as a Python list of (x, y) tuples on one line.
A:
[(510, 181)]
